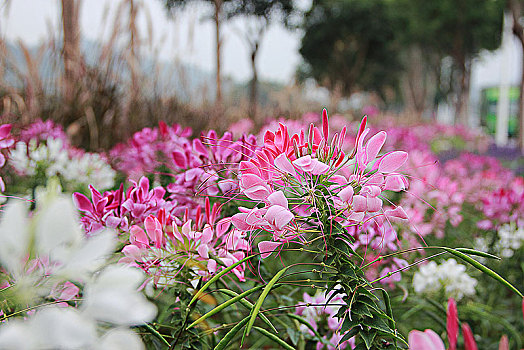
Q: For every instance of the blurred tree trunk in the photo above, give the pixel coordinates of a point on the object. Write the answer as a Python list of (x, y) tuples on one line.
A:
[(462, 98), (254, 82), (72, 57), (518, 31), (133, 43), (417, 82), (217, 19)]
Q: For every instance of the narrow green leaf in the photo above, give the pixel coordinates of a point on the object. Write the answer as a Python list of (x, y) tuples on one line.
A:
[(256, 308), (483, 268), (154, 332), (389, 310), (216, 277), (274, 338), (249, 305), (477, 253), (232, 332), (222, 306)]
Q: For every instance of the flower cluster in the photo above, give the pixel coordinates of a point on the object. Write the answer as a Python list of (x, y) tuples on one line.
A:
[(290, 172), (319, 311), (45, 158), (119, 209), (195, 167), (164, 246), (449, 277), (41, 258)]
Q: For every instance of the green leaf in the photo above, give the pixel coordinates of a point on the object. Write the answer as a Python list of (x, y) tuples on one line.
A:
[(351, 333), (216, 277), (249, 305), (477, 253), (483, 268), (256, 308), (368, 337), (222, 306), (154, 332), (274, 338), (389, 310), (378, 324), (232, 332)]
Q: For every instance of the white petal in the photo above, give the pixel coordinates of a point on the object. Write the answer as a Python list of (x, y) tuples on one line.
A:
[(57, 225), (63, 328), (88, 256), (113, 297), (14, 236), (121, 338), (16, 335)]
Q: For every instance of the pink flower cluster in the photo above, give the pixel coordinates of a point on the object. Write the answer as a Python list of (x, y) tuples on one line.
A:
[(119, 209), (202, 166), (6, 141), (320, 312), (167, 245), (289, 171), (42, 130)]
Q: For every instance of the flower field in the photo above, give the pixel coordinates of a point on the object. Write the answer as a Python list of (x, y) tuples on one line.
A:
[(317, 233)]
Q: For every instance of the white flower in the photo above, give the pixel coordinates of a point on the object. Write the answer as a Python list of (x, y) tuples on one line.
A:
[(511, 238), (111, 300), (77, 169), (450, 276)]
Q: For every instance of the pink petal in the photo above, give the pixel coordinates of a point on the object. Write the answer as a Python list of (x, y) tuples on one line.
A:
[(452, 324), (359, 203), (282, 163), (395, 183), (180, 159), (266, 248), (137, 235), (398, 213), (304, 161), (469, 339), (374, 145), (391, 161), (82, 202), (427, 340), (374, 204), (279, 216), (278, 198), (347, 194)]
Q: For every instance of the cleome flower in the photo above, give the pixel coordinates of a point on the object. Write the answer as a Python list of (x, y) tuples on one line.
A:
[(291, 175)]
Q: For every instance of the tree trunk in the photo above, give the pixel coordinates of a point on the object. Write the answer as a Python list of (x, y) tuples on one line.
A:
[(71, 47), (254, 84), (133, 57), (518, 30), (462, 102), (218, 10)]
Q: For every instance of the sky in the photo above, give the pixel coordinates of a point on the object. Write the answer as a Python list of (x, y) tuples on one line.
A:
[(188, 37)]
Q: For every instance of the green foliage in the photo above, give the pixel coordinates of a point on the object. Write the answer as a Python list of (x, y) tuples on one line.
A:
[(350, 45)]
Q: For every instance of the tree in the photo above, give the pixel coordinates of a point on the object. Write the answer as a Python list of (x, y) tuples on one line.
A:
[(71, 46), (459, 29), (218, 6), (349, 45), (516, 7), (259, 14)]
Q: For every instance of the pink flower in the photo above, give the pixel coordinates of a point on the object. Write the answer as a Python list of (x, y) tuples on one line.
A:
[(311, 165), (266, 248), (427, 340), (469, 339), (452, 324)]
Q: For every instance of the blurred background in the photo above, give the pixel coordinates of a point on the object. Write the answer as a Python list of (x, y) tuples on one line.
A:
[(105, 69)]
